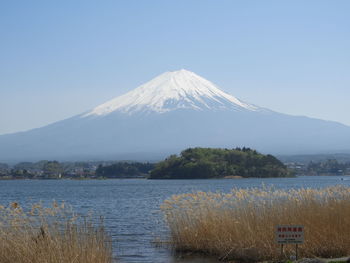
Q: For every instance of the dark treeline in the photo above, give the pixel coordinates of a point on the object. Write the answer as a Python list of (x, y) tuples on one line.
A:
[(196, 163), (54, 170), (124, 169)]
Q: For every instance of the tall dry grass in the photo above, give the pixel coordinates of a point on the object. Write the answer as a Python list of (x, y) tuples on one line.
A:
[(51, 235), (240, 225)]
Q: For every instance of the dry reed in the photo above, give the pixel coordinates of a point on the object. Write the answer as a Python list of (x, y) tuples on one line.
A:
[(240, 225), (52, 235)]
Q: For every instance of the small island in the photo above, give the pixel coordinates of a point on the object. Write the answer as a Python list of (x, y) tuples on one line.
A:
[(205, 163)]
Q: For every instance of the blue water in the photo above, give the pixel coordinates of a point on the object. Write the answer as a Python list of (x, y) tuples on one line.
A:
[(131, 207)]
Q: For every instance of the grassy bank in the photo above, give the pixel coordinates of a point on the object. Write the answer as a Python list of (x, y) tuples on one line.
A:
[(240, 225), (50, 235)]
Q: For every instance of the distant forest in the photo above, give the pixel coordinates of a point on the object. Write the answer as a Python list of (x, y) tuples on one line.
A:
[(124, 170), (74, 170), (203, 163)]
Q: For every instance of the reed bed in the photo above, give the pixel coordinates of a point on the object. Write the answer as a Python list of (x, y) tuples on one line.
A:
[(240, 225), (51, 235)]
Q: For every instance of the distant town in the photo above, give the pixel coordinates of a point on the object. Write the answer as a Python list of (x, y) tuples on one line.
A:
[(326, 167), (127, 169)]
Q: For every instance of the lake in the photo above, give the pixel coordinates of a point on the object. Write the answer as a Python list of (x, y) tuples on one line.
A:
[(131, 206)]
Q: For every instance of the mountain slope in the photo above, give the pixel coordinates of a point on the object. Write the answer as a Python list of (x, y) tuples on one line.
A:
[(170, 91), (171, 112)]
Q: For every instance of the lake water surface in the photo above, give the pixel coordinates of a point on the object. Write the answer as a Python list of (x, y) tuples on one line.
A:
[(131, 206)]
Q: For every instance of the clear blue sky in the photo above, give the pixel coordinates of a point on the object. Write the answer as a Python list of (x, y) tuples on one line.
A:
[(61, 58)]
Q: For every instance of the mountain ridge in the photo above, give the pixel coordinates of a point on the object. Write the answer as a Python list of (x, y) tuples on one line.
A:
[(134, 130)]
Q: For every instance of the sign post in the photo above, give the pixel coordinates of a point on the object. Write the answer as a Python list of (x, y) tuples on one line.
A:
[(289, 234)]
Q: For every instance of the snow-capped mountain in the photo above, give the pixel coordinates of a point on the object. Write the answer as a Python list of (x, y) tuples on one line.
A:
[(171, 112), (180, 89)]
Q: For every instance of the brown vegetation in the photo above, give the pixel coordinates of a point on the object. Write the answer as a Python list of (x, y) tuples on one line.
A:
[(50, 235), (240, 225)]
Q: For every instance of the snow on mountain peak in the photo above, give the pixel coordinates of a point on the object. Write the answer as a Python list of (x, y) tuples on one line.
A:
[(180, 89)]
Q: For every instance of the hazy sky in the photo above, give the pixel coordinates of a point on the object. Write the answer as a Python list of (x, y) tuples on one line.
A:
[(61, 58)]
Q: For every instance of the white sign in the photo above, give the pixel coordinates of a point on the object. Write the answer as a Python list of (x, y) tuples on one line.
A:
[(289, 234)]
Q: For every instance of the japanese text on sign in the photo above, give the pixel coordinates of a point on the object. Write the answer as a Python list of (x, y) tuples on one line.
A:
[(289, 234)]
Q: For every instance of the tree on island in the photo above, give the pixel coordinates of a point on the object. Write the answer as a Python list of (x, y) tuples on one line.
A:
[(203, 163)]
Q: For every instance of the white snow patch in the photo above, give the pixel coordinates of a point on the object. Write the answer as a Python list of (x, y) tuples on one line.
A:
[(169, 91)]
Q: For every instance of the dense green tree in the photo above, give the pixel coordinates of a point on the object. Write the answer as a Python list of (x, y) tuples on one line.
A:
[(195, 163), (124, 169)]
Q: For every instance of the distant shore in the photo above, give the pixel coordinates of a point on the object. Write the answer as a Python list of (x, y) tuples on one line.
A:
[(67, 178)]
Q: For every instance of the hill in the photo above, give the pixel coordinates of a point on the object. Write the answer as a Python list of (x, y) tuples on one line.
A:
[(204, 163)]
